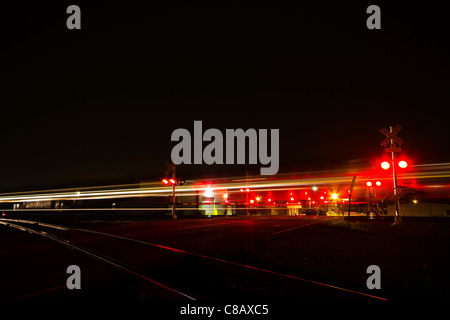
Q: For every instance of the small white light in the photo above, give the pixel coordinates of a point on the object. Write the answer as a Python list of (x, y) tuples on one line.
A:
[(208, 192)]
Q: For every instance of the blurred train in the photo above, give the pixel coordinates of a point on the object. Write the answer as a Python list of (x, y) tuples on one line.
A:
[(313, 192)]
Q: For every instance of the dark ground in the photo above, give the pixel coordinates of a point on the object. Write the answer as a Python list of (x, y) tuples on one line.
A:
[(413, 257)]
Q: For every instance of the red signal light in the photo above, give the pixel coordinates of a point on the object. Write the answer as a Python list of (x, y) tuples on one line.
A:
[(252, 201), (402, 164), (369, 184), (171, 180), (385, 165), (378, 183)]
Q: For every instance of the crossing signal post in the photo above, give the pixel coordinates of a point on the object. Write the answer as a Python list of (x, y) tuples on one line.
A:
[(391, 137), (172, 181), (371, 192)]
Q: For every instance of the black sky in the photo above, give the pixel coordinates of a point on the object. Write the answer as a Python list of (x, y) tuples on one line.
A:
[(99, 104)]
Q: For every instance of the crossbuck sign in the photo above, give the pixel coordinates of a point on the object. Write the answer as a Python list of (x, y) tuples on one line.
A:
[(391, 137)]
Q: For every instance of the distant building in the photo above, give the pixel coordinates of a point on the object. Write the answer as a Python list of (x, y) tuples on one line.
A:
[(421, 209), (413, 203)]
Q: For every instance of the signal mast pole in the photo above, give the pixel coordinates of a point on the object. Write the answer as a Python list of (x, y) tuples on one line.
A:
[(174, 214), (398, 218)]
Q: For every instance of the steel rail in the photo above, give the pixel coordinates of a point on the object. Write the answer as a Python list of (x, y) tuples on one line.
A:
[(105, 259), (179, 251)]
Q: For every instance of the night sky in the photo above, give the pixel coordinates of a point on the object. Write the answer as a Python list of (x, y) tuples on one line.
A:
[(98, 105)]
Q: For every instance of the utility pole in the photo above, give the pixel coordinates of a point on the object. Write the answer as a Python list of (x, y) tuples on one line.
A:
[(350, 199), (398, 218), (171, 167), (247, 174), (174, 214)]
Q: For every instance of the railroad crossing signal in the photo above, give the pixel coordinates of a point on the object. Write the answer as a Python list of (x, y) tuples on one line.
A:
[(391, 137)]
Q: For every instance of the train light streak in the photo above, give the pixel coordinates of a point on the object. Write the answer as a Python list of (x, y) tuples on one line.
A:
[(424, 176)]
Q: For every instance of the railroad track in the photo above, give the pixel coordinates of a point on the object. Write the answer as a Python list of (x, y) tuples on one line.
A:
[(19, 225), (179, 274)]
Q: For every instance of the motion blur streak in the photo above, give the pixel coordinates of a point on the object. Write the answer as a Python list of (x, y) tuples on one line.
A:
[(435, 175)]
